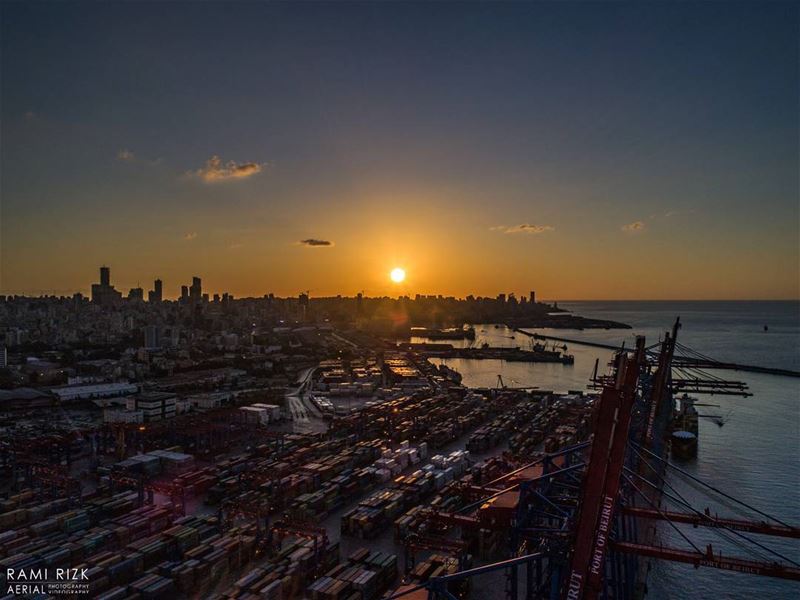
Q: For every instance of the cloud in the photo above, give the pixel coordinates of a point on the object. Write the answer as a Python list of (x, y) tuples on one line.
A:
[(312, 243), (672, 213), (190, 236), (215, 170), (235, 245), (634, 227), (523, 228), (128, 156)]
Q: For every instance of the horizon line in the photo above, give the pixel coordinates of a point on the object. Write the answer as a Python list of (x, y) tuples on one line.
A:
[(66, 294)]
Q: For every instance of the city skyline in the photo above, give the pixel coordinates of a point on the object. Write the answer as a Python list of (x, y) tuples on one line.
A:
[(279, 148), (152, 291)]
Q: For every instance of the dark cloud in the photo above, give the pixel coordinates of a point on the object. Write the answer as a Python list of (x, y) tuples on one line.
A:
[(313, 243)]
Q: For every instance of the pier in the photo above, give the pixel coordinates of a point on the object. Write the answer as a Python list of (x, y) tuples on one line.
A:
[(539, 336), (489, 352)]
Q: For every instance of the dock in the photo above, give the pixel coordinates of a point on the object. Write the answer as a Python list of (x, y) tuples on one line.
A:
[(489, 352)]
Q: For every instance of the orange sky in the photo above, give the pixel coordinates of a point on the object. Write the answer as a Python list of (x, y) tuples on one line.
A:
[(581, 152)]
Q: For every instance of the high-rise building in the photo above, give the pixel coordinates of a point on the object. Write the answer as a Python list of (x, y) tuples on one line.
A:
[(157, 293), (533, 297), (152, 336), (3, 357), (136, 294), (104, 293), (196, 290), (184, 293)]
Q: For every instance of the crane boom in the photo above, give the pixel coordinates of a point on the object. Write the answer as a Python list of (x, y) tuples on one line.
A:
[(706, 520), (709, 559)]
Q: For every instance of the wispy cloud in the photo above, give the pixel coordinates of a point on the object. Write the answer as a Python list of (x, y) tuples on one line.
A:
[(314, 243), (128, 156), (215, 170), (673, 213), (634, 227), (523, 228), (188, 237)]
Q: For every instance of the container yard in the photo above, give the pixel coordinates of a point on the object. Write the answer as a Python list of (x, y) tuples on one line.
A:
[(234, 518), (429, 488)]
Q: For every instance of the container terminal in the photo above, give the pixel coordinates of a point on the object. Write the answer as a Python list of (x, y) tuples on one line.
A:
[(372, 473)]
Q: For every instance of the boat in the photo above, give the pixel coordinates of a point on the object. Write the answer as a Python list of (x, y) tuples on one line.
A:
[(685, 428), (684, 444)]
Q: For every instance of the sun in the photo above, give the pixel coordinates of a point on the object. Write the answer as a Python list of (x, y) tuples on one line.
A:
[(397, 275)]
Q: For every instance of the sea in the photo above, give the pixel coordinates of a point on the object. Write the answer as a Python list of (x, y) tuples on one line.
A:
[(754, 456)]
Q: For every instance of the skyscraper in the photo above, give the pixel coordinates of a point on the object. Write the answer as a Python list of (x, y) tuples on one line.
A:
[(103, 292), (196, 290), (156, 294)]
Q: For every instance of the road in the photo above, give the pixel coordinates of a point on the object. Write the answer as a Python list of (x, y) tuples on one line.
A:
[(304, 415)]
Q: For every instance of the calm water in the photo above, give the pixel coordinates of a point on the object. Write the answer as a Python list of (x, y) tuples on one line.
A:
[(754, 457)]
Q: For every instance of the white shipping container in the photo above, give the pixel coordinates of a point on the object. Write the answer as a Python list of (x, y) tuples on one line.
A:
[(423, 450)]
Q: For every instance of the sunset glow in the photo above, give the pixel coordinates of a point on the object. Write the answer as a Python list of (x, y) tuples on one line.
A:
[(398, 275), (505, 182)]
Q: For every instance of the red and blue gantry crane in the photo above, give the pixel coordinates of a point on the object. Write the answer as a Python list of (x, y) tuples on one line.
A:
[(582, 525)]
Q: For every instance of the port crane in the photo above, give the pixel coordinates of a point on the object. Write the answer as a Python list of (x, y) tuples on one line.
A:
[(576, 531)]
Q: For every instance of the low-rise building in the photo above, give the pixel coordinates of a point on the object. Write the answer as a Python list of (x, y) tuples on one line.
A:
[(209, 400), (92, 392), (122, 415), (155, 406)]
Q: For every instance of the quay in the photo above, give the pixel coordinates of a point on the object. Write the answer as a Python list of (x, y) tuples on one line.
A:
[(489, 352)]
